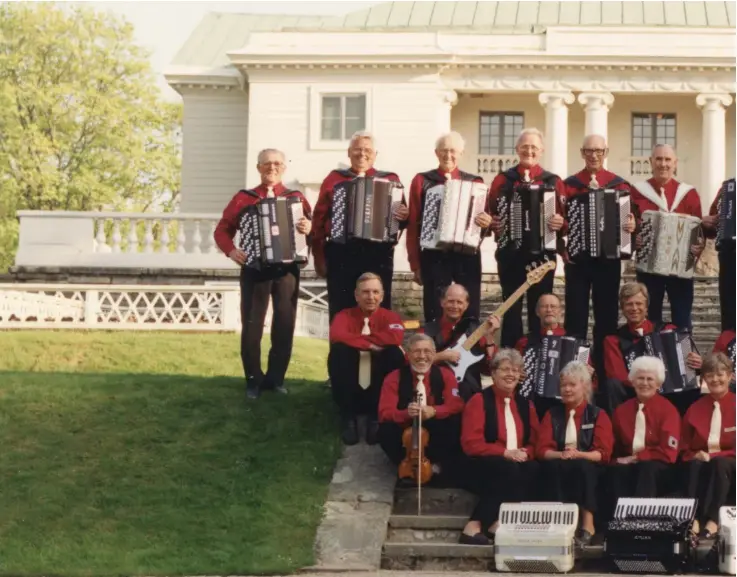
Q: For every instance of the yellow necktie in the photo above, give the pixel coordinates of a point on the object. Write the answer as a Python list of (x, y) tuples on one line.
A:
[(421, 397), (571, 441), (715, 429), (638, 441), (270, 192), (364, 360), (510, 426)]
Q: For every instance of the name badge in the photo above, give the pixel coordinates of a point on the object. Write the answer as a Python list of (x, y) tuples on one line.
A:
[(589, 426), (730, 429)]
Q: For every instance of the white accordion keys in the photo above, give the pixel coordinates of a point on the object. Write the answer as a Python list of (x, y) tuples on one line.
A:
[(726, 540), (665, 243)]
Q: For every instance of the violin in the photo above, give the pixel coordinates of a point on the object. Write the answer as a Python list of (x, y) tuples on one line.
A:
[(416, 465)]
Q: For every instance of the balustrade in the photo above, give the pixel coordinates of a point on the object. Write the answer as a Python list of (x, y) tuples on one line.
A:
[(488, 166)]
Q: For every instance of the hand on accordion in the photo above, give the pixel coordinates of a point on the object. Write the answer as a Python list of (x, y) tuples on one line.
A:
[(483, 220), (401, 212), (693, 360), (304, 226), (237, 256), (556, 222), (629, 226), (710, 221), (697, 249), (496, 225)]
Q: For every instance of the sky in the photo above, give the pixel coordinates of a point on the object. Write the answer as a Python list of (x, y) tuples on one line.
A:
[(163, 27)]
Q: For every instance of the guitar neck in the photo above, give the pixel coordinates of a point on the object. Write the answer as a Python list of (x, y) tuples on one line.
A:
[(476, 335)]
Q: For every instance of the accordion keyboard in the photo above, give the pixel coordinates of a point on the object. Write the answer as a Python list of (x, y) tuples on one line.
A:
[(681, 510)]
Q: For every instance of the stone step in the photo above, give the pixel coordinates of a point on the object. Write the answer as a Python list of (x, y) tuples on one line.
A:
[(428, 521), (434, 502), (450, 557)]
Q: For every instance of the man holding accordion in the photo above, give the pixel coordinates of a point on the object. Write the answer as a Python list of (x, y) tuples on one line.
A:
[(262, 280)]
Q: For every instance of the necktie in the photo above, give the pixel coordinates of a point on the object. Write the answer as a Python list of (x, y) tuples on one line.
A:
[(594, 184), (510, 426), (640, 332), (571, 441), (364, 359), (421, 397), (638, 441), (715, 430), (270, 192), (549, 333), (527, 175)]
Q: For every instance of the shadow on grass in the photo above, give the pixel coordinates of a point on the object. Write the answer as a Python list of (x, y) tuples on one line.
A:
[(133, 474)]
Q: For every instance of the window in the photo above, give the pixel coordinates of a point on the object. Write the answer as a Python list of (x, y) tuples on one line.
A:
[(498, 132), (342, 115), (651, 129)]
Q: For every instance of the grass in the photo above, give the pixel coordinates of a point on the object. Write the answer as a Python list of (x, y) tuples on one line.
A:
[(136, 454)]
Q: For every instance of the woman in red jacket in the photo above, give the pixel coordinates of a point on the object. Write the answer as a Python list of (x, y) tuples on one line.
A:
[(708, 446)]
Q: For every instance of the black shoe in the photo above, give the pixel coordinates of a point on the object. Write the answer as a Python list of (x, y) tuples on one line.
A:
[(349, 430), (477, 539), (372, 431), (584, 537), (252, 389)]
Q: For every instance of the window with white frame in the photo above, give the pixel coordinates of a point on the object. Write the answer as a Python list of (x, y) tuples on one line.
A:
[(498, 132), (651, 129), (342, 115)]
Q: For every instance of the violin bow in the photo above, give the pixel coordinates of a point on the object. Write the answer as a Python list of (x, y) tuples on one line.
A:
[(419, 461)]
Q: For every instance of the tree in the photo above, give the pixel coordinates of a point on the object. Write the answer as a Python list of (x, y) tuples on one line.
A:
[(82, 123)]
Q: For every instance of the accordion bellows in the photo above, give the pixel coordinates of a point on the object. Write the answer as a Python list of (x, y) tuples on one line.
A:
[(725, 211), (666, 239), (595, 221), (448, 217)]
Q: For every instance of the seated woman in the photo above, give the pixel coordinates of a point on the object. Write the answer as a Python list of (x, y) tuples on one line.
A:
[(498, 432), (572, 440), (646, 433), (708, 446)]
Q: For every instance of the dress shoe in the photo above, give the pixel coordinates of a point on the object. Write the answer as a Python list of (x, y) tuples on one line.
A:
[(349, 430), (372, 431), (584, 537), (477, 539), (252, 389)]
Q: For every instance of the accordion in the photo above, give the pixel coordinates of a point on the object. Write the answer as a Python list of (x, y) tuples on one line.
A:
[(595, 221), (524, 213), (651, 535), (535, 537), (666, 239), (726, 540), (725, 211), (671, 347), (544, 361), (363, 208), (449, 213), (268, 232)]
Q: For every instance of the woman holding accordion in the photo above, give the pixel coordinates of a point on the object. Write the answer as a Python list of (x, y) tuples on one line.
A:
[(574, 438)]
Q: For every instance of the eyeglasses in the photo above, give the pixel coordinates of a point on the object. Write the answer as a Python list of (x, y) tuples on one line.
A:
[(596, 151), (274, 164), (529, 148)]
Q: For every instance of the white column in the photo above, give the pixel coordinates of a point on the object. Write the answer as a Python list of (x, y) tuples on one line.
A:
[(713, 145), (556, 130), (596, 105), (448, 99)]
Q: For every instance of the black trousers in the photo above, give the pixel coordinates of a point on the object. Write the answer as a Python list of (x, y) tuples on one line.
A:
[(647, 479), (439, 269), (347, 262), (680, 294), (281, 284), (498, 480), (348, 395), (613, 393), (574, 481), (512, 274), (443, 448), (727, 287), (712, 483)]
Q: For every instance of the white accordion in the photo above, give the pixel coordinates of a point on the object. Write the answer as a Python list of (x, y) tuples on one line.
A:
[(535, 537), (665, 243), (448, 217), (726, 540)]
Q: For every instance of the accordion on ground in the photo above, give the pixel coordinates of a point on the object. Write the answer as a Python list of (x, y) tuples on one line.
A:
[(268, 232), (448, 216), (671, 347), (543, 362), (725, 211), (536, 537), (363, 208), (595, 221), (651, 535), (666, 239), (726, 540), (524, 213)]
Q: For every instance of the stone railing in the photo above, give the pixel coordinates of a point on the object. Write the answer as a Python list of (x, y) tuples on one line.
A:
[(488, 166), (639, 167)]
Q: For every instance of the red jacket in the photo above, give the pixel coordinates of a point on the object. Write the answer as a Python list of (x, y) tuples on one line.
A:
[(228, 225), (697, 422), (722, 344), (689, 204), (603, 436), (385, 325), (603, 177), (614, 365), (662, 429)]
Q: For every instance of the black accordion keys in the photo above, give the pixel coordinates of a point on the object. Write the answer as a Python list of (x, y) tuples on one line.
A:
[(524, 213), (725, 212), (543, 362), (268, 232), (671, 347), (595, 221), (363, 208), (651, 535)]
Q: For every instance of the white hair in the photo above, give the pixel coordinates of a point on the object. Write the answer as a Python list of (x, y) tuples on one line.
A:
[(533, 131), (663, 145), (454, 139), (579, 372), (419, 338), (507, 355), (266, 151), (590, 136), (650, 365), (360, 135)]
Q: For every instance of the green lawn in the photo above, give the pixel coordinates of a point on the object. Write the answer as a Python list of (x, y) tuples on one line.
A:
[(136, 454)]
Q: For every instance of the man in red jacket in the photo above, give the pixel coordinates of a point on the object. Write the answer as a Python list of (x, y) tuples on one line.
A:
[(279, 282), (342, 264), (663, 192), (364, 347)]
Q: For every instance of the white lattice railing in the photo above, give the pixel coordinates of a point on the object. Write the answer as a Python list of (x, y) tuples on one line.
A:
[(640, 167), (214, 307), (488, 166)]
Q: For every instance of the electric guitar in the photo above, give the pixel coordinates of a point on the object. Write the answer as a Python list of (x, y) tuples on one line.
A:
[(466, 342)]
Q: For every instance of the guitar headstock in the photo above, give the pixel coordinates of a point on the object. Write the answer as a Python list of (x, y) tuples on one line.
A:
[(537, 271)]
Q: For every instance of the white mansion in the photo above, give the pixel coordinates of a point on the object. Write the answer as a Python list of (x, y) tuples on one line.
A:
[(638, 72)]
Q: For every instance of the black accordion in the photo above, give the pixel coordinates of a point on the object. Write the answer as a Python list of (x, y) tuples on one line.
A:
[(268, 232), (725, 212), (544, 360), (524, 212), (671, 347), (595, 221), (651, 535), (363, 208)]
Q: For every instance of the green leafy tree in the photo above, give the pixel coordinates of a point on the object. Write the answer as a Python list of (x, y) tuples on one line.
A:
[(82, 122)]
